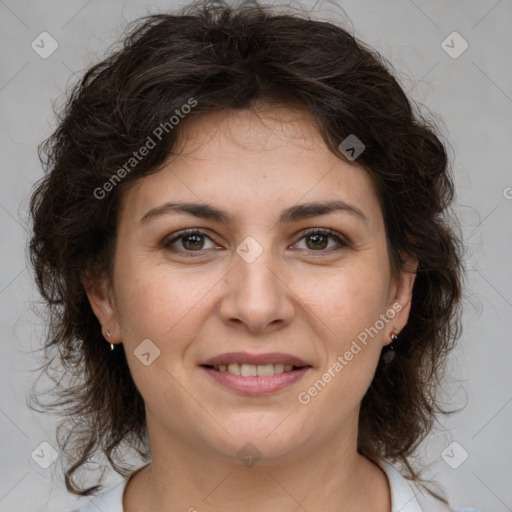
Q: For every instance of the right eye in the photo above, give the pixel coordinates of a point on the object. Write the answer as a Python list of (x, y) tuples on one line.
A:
[(189, 241)]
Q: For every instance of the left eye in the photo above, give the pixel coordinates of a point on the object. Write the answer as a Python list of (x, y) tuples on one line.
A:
[(318, 240)]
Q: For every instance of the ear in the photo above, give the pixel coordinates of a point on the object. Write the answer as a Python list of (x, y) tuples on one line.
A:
[(102, 304), (401, 295)]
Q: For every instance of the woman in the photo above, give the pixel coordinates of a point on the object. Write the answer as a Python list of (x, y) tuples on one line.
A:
[(244, 205)]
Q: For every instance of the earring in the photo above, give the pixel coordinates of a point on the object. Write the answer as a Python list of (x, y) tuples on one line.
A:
[(390, 353), (108, 336)]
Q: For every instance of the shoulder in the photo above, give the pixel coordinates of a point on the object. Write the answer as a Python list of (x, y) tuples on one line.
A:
[(407, 496), (426, 501), (429, 504), (111, 500)]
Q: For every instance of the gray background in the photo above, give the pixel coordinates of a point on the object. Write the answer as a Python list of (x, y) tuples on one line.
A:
[(472, 94)]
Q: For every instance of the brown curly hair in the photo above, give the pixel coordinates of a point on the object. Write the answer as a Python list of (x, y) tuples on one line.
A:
[(232, 57)]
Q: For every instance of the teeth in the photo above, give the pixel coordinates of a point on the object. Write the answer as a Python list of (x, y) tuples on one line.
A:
[(248, 370), (234, 368), (265, 370), (253, 370), (279, 368)]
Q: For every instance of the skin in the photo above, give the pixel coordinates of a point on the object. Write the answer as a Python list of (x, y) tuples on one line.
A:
[(294, 298)]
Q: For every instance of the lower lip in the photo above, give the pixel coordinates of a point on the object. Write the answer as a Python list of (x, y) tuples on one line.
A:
[(257, 385)]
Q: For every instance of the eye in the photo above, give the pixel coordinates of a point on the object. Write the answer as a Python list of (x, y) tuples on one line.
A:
[(190, 240), (318, 240), (195, 241)]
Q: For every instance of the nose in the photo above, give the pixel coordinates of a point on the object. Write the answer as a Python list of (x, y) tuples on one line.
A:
[(257, 296)]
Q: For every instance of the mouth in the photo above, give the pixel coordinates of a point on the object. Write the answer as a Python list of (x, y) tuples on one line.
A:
[(253, 370), (255, 374), (252, 365)]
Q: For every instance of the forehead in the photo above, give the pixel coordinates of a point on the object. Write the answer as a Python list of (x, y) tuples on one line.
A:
[(261, 128), (254, 159)]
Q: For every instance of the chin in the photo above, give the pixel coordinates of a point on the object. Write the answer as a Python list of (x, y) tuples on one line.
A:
[(260, 436)]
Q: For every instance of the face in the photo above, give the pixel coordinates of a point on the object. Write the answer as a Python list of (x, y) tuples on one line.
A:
[(255, 250)]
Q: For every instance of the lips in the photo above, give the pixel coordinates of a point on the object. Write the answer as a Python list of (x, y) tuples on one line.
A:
[(274, 358), (255, 374)]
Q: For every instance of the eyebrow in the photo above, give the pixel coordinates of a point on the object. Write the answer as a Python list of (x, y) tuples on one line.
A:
[(291, 214)]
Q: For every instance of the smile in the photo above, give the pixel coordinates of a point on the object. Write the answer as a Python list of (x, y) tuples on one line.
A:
[(253, 370), (255, 374)]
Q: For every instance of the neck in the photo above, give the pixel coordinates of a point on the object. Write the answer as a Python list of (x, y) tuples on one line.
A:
[(331, 477)]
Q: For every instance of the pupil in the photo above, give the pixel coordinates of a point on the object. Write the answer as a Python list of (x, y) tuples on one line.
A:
[(316, 241), (196, 243)]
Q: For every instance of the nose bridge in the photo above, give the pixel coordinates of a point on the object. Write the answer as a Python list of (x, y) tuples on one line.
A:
[(256, 294), (257, 279)]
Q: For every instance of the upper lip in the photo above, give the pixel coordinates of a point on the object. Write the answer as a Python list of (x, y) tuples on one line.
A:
[(256, 359)]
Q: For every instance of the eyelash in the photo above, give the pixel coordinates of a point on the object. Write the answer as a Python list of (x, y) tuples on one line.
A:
[(310, 232)]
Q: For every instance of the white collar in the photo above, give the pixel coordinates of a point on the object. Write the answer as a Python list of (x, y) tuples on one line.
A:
[(403, 498)]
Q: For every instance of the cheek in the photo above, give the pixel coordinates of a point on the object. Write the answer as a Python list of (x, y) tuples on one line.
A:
[(346, 307), (165, 308), (157, 303), (347, 301)]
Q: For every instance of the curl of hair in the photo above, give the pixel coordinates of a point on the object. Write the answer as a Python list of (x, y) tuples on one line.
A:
[(234, 58)]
